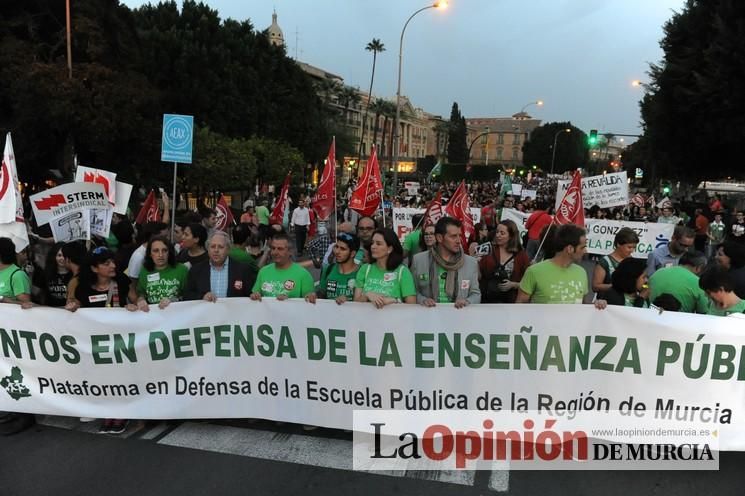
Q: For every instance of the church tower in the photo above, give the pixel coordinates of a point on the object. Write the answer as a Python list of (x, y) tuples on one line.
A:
[(275, 32)]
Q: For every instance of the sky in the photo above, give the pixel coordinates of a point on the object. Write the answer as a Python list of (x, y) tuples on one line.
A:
[(491, 56)]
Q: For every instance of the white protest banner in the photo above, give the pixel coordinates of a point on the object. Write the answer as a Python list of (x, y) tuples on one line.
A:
[(517, 189), (123, 192), (529, 193), (600, 233), (297, 362), (100, 220), (412, 188), (605, 191), (55, 202), (73, 226), (402, 224), (104, 178)]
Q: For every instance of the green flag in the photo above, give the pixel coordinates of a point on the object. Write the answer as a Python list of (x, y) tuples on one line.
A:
[(506, 186), (436, 171)]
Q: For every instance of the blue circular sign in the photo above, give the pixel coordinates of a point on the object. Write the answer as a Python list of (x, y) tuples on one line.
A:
[(177, 133)]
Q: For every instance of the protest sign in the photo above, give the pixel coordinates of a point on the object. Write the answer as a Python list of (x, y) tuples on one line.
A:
[(605, 191), (72, 226), (601, 232), (55, 202), (517, 189), (529, 193), (104, 178), (412, 188), (315, 364), (402, 224)]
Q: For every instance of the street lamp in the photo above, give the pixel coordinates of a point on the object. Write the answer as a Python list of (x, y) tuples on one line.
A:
[(439, 4), (537, 102), (556, 137)]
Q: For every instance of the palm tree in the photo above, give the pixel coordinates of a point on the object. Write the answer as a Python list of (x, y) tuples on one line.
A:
[(388, 112), (375, 46), (378, 107)]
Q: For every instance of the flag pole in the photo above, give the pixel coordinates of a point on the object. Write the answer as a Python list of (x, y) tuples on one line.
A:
[(174, 201), (548, 230), (333, 171)]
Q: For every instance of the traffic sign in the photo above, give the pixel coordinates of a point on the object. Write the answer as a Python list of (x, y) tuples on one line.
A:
[(178, 132)]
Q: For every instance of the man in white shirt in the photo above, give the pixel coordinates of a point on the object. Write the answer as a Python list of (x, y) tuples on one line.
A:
[(300, 221)]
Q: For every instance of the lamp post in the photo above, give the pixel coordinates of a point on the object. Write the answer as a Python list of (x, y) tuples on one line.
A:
[(69, 46), (437, 5), (537, 102), (553, 153)]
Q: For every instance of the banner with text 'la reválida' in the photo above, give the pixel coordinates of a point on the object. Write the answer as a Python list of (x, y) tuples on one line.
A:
[(314, 364)]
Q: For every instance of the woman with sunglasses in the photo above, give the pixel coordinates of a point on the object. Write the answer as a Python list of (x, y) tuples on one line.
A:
[(102, 286)]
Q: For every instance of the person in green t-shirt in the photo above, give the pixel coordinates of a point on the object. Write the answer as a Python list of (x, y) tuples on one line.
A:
[(15, 286), (681, 281), (161, 280), (559, 279), (282, 279), (239, 250), (411, 242), (386, 280), (338, 279), (262, 213), (719, 286)]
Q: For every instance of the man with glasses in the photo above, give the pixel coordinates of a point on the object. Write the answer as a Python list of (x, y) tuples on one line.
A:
[(668, 255), (365, 229)]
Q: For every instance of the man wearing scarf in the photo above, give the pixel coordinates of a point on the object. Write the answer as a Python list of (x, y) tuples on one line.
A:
[(444, 274)]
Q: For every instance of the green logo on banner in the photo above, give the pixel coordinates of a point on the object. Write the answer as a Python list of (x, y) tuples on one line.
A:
[(14, 385)]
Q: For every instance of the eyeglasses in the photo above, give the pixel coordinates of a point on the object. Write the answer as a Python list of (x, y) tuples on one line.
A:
[(429, 234)]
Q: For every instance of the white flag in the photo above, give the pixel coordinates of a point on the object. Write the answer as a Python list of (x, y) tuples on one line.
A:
[(12, 224), (8, 185)]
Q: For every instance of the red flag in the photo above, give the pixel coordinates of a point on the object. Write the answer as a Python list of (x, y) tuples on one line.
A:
[(638, 200), (149, 211), (324, 200), (224, 215), (458, 208), (571, 209), (278, 214), (434, 211), (369, 191)]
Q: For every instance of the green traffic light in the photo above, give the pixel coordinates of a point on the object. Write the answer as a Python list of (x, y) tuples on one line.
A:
[(592, 140)]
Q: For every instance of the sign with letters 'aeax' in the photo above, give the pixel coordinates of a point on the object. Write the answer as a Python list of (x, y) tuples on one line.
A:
[(178, 132)]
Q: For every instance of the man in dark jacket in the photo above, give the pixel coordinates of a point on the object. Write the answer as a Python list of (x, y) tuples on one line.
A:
[(219, 277)]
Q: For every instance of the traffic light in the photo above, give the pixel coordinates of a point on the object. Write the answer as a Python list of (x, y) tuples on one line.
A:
[(666, 189), (592, 140)]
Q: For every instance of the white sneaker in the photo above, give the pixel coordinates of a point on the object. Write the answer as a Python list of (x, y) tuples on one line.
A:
[(87, 419)]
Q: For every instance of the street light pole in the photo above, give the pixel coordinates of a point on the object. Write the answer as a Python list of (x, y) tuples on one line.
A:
[(556, 137), (537, 102), (435, 5), (69, 42)]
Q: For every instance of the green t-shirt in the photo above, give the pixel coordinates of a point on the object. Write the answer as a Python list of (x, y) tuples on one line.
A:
[(683, 285), (239, 254), (165, 283), (547, 282), (294, 281), (441, 282), (398, 283), (20, 283), (725, 312), (334, 284), (262, 213), (411, 242)]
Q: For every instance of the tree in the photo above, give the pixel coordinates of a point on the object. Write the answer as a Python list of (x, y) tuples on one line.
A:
[(572, 150), (457, 137), (694, 109), (375, 46)]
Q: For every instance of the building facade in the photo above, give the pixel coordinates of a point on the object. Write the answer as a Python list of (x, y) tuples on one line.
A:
[(503, 146)]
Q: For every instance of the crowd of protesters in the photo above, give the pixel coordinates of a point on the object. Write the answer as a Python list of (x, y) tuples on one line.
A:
[(139, 267)]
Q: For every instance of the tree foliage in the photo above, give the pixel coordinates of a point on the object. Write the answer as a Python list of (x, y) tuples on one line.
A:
[(457, 137), (571, 148), (694, 108), (129, 68)]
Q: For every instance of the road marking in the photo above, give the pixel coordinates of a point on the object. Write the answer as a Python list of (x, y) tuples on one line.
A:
[(277, 446), (292, 448)]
